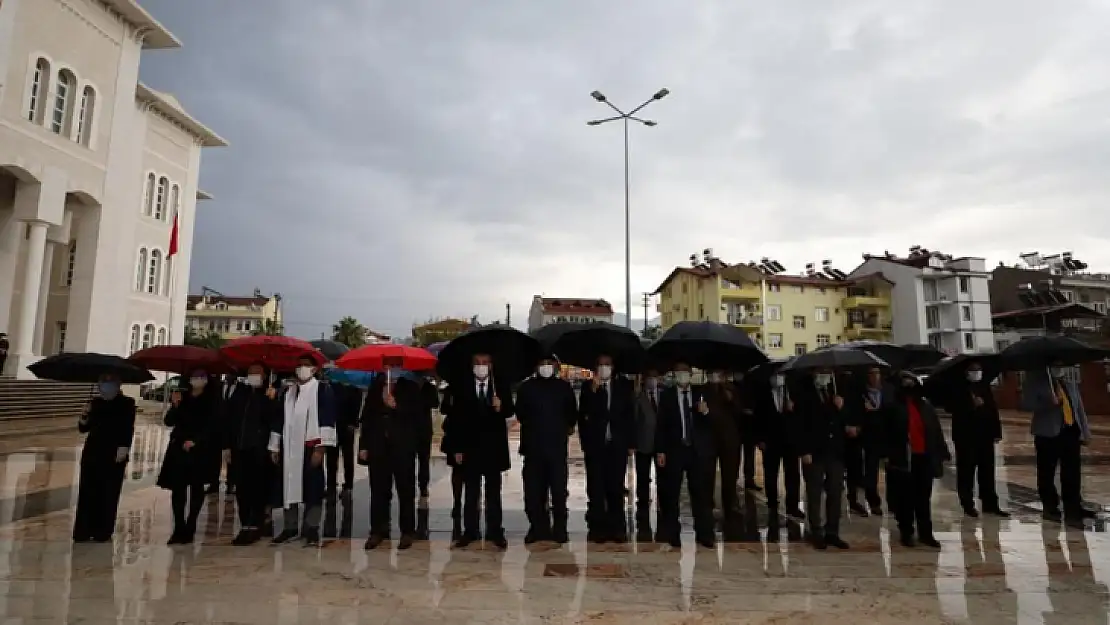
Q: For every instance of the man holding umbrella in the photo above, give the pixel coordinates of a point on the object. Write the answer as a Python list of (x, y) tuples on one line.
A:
[(248, 413), (605, 410), (822, 438), (1059, 429)]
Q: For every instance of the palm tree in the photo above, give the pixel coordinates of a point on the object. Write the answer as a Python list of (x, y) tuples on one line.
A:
[(269, 328), (349, 332), (208, 340)]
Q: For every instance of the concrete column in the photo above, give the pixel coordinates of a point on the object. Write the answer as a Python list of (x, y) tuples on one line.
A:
[(32, 278), (44, 297)]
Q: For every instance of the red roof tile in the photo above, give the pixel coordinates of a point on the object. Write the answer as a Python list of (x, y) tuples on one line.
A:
[(576, 306)]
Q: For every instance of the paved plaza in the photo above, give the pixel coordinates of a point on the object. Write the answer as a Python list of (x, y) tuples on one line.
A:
[(989, 571)]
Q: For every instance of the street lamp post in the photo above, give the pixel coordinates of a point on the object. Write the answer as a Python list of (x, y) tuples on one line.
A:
[(625, 118)]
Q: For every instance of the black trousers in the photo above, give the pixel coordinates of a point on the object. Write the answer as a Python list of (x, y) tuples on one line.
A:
[(544, 478), (250, 473), (910, 495), (392, 468), (776, 459), (458, 482), (98, 499), (862, 464), (644, 465), (346, 447), (191, 495), (729, 460), (824, 477), (683, 463), (748, 464), (475, 481), (606, 467), (1060, 451), (424, 465), (975, 462)]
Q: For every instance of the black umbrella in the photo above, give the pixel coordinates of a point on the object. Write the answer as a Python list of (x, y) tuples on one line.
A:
[(707, 345), (331, 350), (513, 352), (835, 357), (1041, 351), (87, 368), (909, 356), (951, 373), (580, 345)]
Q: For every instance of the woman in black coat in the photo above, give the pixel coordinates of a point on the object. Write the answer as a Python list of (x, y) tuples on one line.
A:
[(109, 422), (185, 466)]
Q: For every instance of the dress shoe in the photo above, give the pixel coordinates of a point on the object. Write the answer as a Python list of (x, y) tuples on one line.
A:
[(643, 535), (997, 512), (858, 508), (311, 537), (818, 543), (498, 541), (560, 536), (405, 542), (836, 541), (929, 541), (907, 540), (245, 537), (796, 514), (971, 512), (284, 537), (373, 542), (707, 542), (1053, 516)]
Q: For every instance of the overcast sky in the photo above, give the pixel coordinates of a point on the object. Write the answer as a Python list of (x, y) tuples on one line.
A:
[(398, 160)]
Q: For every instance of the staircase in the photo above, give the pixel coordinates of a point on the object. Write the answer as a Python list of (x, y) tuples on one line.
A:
[(40, 406)]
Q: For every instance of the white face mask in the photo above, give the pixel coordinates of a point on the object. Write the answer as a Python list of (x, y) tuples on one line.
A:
[(605, 372), (716, 378), (1058, 372), (546, 371), (682, 378), (974, 376), (823, 379), (254, 380), (481, 371), (778, 381), (304, 373), (198, 383)]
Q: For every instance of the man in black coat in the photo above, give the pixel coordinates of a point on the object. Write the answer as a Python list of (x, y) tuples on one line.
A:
[(348, 405), (480, 413), (109, 422), (430, 395), (976, 430), (547, 411), (874, 403), (775, 424), (646, 419), (826, 425), (606, 425), (248, 413), (684, 448), (388, 442)]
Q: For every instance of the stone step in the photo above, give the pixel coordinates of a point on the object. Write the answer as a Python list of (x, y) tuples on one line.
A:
[(36, 399)]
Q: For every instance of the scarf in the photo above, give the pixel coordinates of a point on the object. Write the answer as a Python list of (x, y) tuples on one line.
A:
[(300, 430)]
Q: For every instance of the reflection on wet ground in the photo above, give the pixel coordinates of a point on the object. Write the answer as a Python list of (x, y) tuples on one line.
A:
[(989, 571)]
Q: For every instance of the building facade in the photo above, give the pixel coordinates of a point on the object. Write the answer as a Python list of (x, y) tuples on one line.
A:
[(95, 170), (233, 316), (545, 310), (937, 299), (441, 330), (784, 314)]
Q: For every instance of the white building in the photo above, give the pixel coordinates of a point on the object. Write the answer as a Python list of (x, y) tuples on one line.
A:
[(937, 299), (545, 310), (93, 168)]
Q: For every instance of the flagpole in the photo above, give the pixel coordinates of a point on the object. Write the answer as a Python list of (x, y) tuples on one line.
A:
[(170, 258)]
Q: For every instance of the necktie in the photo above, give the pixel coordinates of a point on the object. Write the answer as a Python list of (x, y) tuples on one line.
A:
[(778, 399), (482, 391), (654, 401), (687, 408), (608, 426), (1065, 405)]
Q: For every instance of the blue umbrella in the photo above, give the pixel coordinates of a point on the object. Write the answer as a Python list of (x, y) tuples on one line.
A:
[(435, 348), (360, 379)]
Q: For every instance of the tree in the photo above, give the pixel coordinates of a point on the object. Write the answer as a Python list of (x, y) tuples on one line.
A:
[(349, 332), (207, 340), (269, 327), (651, 332)]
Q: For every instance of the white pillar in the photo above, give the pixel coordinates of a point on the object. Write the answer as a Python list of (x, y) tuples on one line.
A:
[(32, 277), (44, 297)]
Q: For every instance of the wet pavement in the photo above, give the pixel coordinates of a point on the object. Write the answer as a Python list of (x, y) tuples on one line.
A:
[(1018, 570)]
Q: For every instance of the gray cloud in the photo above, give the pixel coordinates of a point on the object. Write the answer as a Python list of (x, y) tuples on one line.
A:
[(393, 160)]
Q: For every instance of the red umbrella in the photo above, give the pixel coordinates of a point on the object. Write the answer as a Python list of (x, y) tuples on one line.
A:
[(183, 359), (372, 358), (279, 353)]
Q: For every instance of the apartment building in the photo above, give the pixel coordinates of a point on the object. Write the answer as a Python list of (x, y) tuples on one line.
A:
[(545, 310), (232, 316)]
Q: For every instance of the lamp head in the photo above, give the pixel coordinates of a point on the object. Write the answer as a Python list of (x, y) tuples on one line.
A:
[(597, 95), (659, 95)]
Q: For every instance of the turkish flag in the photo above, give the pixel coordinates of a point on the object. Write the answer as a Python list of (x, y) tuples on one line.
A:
[(173, 237)]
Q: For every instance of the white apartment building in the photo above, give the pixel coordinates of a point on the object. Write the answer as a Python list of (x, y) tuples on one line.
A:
[(545, 310), (93, 168), (937, 299)]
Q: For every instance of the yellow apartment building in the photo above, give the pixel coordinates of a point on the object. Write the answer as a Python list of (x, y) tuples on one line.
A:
[(233, 316), (784, 314)]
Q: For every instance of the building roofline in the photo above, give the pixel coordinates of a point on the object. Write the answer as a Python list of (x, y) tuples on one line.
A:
[(203, 195), (154, 35), (158, 100)]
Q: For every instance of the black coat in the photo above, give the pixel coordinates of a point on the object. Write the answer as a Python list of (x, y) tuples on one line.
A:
[(619, 415), (247, 419), (387, 429), (547, 411), (429, 396), (110, 425), (870, 421), (348, 407), (473, 428), (821, 432), (895, 436), (192, 420), (971, 423), (771, 427), (668, 434)]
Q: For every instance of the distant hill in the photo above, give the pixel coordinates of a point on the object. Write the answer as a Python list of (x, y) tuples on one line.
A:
[(637, 322)]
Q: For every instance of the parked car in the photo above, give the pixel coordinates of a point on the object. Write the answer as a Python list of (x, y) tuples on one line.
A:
[(157, 391)]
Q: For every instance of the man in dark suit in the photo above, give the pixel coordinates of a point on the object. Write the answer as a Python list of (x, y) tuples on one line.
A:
[(776, 421), (481, 411), (874, 403), (606, 424), (825, 428), (348, 400), (645, 416), (430, 394), (725, 416), (684, 448), (976, 429), (390, 434)]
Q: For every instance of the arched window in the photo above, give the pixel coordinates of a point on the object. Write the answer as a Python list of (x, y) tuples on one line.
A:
[(134, 338), (148, 335), (63, 102), (154, 277), (148, 194), (36, 100), (85, 116), (71, 264), (161, 336), (140, 275), (175, 197), (160, 198)]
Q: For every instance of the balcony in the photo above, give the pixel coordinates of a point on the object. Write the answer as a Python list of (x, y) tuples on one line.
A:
[(866, 330), (746, 291), (746, 321), (866, 301)]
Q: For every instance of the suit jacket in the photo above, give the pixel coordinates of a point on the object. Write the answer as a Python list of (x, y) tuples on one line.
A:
[(1037, 396), (822, 425), (971, 423), (475, 429), (646, 419), (547, 411), (386, 429), (668, 438), (730, 425), (871, 421), (772, 427), (617, 416)]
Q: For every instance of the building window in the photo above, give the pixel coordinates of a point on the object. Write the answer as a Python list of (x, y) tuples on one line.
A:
[(821, 314), (798, 288), (71, 262), (969, 341), (59, 337), (965, 312), (154, 276), (85, 116), (774, 288), (936, 342), (1069, 295), (161, 336), (160, 198), (929, 290), (37, 97), (140, 274), (823, 340), (1100, 307), (799, 322), (175, 197), (63, 102), (932, 317), (965, 284), (148, 335), (774, 341), (148, 195), (134, 339), (774, 312), (800, 349), (701, 311)]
